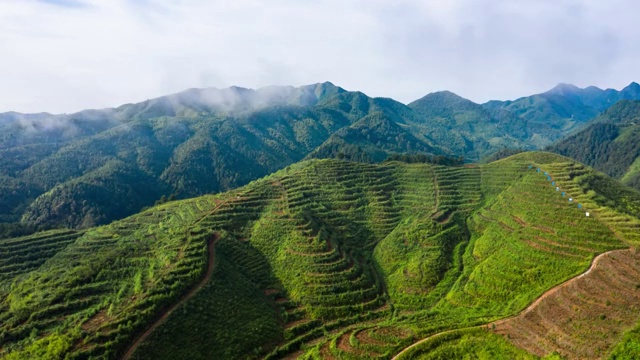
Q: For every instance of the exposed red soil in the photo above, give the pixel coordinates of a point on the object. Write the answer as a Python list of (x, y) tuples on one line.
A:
[(268, 292), (343, 343), (325, 352), (364, 338), (566, 246), (442, 219), (96, 320), (583, 317), (520, 221), (296, 323), (542, 247), (504, 226), (569, 319), (544, 229)]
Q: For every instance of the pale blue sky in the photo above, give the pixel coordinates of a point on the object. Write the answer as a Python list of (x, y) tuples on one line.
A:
[(68, 55)]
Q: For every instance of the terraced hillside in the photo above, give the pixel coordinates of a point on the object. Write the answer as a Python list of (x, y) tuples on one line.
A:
[(583, 318), (324, 259)]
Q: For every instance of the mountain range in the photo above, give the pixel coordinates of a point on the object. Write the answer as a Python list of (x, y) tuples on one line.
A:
[(95, 166), (611, 143), (320, 223)]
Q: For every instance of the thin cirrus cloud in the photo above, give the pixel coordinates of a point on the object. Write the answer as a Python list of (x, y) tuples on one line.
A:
[(68, 55)]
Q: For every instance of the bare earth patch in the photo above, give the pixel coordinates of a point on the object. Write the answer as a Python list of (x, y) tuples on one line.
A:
[(584, 317)]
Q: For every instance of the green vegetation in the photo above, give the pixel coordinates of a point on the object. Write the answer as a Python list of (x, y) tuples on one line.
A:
[(472, 344), (96, 166), (629, 347), (325, 258), (500, 154), (90, 294), (562, 110), (372, 139), (467, 128), (611, 144)]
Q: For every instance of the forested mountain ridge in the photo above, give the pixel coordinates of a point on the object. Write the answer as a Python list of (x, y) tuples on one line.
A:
[(562, 110), (610, 144), (324, 251), (529, 123), (467, 128), (95, 166), (62, 170)]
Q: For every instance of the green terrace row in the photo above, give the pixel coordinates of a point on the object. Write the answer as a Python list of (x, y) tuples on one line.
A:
[(320, 255), (567, 176), (81, 301)]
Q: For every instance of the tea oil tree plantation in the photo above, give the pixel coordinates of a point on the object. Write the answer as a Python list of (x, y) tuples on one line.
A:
[(330, 259)]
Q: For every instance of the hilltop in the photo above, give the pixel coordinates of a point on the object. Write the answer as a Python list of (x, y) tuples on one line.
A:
[(325, 258)]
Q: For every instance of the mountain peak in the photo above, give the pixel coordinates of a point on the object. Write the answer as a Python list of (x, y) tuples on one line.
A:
[(633, 87), (440, 99), (446, 93), (441, 96), (564, 89), (324, 87), (327, 83)]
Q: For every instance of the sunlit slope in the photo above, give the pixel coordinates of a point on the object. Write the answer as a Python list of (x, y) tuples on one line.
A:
[(524, 240), (323, 259)]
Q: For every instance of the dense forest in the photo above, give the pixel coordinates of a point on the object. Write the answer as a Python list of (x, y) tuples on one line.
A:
[(95, 166), (610, 144)]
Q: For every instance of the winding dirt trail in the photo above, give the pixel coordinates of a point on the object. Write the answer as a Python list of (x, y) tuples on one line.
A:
[(535, 303), (186, 297), (554, 289)]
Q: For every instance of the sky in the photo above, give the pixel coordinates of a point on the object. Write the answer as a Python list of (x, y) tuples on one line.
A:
[(62, 56)]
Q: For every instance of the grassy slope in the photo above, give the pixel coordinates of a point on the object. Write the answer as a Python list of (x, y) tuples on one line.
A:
[(340, 259)]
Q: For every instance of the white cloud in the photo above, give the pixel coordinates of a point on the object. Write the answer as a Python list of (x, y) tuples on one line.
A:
[(67, 55)]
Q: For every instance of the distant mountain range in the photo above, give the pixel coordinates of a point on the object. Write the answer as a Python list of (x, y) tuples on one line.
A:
[(611, 143), (94, 166)]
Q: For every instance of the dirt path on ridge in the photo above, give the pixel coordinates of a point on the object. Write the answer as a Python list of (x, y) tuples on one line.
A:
[(537, 301), (186, 297)]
